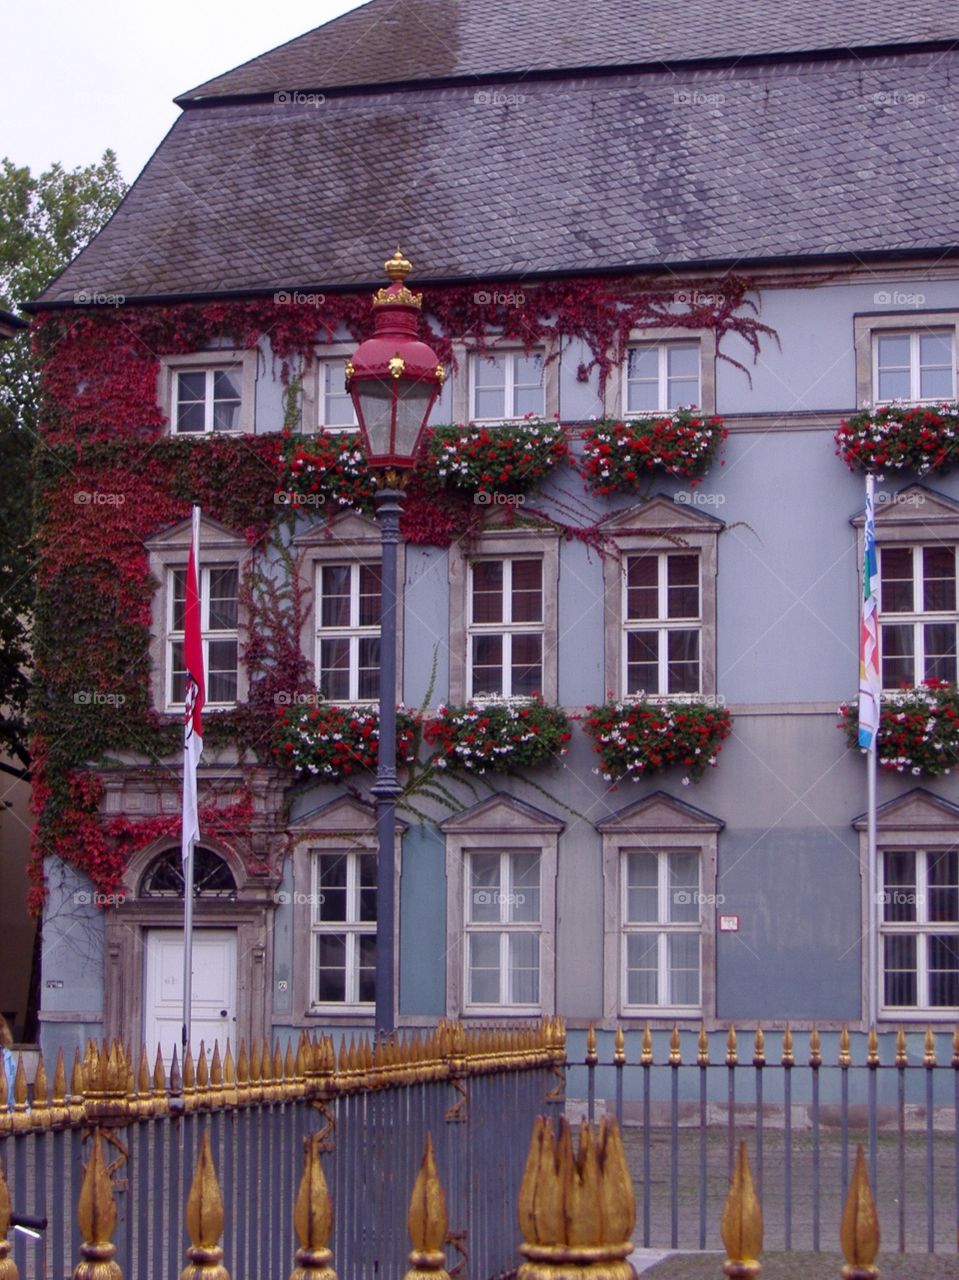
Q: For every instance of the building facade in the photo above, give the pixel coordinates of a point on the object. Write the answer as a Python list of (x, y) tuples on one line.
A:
[(600, 244)]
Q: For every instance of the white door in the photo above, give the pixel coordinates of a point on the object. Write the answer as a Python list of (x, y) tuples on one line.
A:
[(214, 989)]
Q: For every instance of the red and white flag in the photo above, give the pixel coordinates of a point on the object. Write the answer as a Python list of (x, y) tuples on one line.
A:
[(195, 695)]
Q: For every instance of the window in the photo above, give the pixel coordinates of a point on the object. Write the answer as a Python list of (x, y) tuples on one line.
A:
[(914, 365), (661, 376), (506, 627), (506, 384), (663, 623), (501, 859), (659, 873), (208, 391), (920, 929), (503, 928), (343, 924), (918, 617), (660, 601), (912, 360), (219, 591), (212, 878), (348, 631), (335, 410)]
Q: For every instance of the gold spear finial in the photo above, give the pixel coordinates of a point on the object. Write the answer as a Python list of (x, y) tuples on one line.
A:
[(313, 1219), (759, 1048), (788, 1058), (646, 1057), (619, 1048), (859, 1230), (97, 1219), (204, 1221), (427, 1222), (815, 1047), (731, 1047), (8, 1268), (872, 1048), (845, 1057), (902, 1057), (591, 1055), (742, 1225), (702, 1047), (928, 1050), (675, 1056)]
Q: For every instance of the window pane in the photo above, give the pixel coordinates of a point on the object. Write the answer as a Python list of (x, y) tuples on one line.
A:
[(221, 677), (487, 665), (893, 360), (527, 591), (369, 595), (485, 888), (642, 892), (488, 591), (682, 648), (331, 967), (939, 579), (524, 904), (331, 888), (524, 968), (684, 968), (483, 968), (226, 384), (895, 565), (529, 400), (367, 886), (683, 887), (489, 381), (898, 659), (527, 669), (335, 668), (939, 641), (935, 384), (900, 985), (681, 391), (943, 956), (642, 967), (368, 671), (642, 662), (682, 586), (943, 884), (367, 967), (223, 599), (179, 598), (177, 672), (899, 897), (642, 587), (335, 593), (191, 417), (191, 401), (935, 349), (643, 362), (338, 408)]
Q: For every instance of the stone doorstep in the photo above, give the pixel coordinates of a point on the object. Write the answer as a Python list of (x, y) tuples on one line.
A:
[(774, 1115)]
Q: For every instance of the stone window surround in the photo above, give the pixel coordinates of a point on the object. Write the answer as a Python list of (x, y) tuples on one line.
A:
[(219, 546), (655, 526), (465, 347), (865, 326), (657, 823), (499, 824), (492, 544), (348, 537), (346, 826), (193, 362), (614, 396), (918, 819)]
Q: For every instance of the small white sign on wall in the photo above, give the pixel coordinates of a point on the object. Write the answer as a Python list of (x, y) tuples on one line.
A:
[(729, 924)]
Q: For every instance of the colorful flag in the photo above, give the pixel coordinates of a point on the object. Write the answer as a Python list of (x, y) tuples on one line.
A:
[(870, 685), (195, 694)]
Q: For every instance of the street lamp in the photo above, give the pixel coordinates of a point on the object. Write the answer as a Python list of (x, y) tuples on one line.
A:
[(393, 379)]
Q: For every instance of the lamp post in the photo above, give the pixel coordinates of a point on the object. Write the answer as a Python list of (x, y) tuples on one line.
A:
[(393, 379)]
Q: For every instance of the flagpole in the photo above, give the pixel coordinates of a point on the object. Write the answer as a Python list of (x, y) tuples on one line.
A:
[(194, 697), (872, 864), (870, 717)]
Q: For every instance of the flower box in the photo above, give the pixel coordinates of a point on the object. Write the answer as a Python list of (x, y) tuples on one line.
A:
[(330, 742), (900, 437), (484, 461), (636, 738), (504, 737), (619, 456), (326, 469), (918, 729)]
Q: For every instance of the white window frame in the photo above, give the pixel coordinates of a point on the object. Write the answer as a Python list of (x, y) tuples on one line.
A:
[(919, 928), (917, 619), (868, 328), (662, 625), (175, 637), (663, 929), (209, 362), (511, 356), (505, 928), (915, 368), (496, 825), (353, 633), (329, 358), (353, 929), (506, 628), (615, 398), (662, 350)]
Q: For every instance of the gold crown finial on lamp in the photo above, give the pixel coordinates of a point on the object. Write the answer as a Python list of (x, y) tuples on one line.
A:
[(398, 267)]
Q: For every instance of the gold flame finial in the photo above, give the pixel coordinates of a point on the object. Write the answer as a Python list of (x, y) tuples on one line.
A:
[(859, 1230), (427, 1221), (619, 1048), (788, 1058), (97, 1219), (742, 1225), (204, 1221), (8, 1268), (591, 1055), (313, 1219), (845, 1057), (929, 1049), (815, 1047), (731, 1047)]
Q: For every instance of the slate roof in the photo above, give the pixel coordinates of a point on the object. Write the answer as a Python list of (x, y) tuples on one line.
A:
[(403, 40), (741, 163)]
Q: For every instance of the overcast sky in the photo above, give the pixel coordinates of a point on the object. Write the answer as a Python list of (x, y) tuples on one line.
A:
[(83, 75)]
